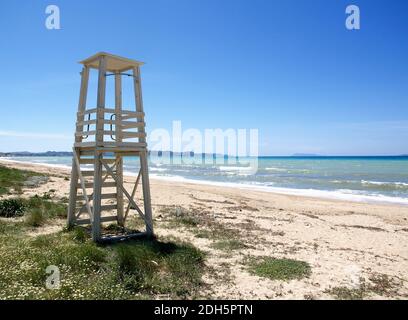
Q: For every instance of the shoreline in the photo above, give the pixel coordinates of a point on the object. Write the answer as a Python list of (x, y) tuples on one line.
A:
[(306, 193)]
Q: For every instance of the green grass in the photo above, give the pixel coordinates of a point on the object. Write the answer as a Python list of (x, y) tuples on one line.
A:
[(132, 270), (178, 216), (279, 269), (41, 209), (229, 245), (36, 210), (159, 267), (13, 179)]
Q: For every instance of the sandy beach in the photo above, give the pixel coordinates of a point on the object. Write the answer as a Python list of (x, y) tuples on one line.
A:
[(347, 244)]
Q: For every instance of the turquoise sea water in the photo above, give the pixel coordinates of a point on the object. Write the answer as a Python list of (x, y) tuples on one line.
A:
[(383, 179)]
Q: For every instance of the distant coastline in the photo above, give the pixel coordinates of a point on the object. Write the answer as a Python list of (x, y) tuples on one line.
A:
[(36, 154), (191, 154)]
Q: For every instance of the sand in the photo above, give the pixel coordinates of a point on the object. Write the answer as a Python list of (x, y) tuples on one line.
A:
[(359, 247)]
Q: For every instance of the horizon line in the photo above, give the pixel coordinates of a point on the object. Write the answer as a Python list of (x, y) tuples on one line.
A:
[(300, 155)]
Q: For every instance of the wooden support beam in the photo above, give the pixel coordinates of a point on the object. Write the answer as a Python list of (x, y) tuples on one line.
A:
[(137, 82), (85, 133), (133, 193), (74, 170), (89, 185), (102, 219), (90, 173), (91, 161), (83, 186), (123, 124), (132, 124), (103, 196), (128, 113), (119, 136), (113, 144), (97, 185), (86, 122), (139, 116), (127, 135), (103, 208)]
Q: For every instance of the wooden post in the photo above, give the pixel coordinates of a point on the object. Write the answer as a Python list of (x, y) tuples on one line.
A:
[(118, 136), (100, 114), (74, 171), (143, 154)]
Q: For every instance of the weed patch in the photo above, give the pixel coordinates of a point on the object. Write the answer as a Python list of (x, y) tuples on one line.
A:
[(228, 245), (13, 178), (279, 269)]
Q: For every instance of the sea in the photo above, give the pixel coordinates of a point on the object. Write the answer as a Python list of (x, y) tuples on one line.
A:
[(381, 179)]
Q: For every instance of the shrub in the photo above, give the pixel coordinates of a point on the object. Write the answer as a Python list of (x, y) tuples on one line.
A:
[(49, 208), (80, 234), (11, 208), (35, 217)]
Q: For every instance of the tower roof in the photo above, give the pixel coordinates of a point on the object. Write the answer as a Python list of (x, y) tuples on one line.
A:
[(113, 63)]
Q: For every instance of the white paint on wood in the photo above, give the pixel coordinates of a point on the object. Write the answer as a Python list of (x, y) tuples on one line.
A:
[(95, 146)]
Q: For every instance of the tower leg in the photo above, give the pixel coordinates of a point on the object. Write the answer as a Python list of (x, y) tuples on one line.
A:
[(137, 82), (72, 194), (119, 192), (97, 191), (146, 193), (100, 115), (74, 171), (119, 159)]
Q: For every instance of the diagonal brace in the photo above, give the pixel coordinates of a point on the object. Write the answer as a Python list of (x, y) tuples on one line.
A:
[(133, 193), (118, 184)]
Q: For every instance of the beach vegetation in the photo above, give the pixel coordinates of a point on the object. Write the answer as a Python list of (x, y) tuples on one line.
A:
[(345, 293), (179, 216), (40, 209), (36, 209), (279, 269), (229, 245), (10, 208), (137, 269), (13, 179), (380, 284)]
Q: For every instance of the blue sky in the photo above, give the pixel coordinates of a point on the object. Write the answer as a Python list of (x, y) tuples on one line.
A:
[(289, 68)]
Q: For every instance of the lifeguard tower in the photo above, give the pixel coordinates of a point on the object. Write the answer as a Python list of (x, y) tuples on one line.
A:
[(104, 136)]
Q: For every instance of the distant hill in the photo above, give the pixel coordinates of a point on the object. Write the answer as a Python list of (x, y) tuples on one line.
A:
[(69, 154)]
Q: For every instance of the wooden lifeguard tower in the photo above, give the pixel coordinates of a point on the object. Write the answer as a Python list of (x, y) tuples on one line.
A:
[(104, 135)]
